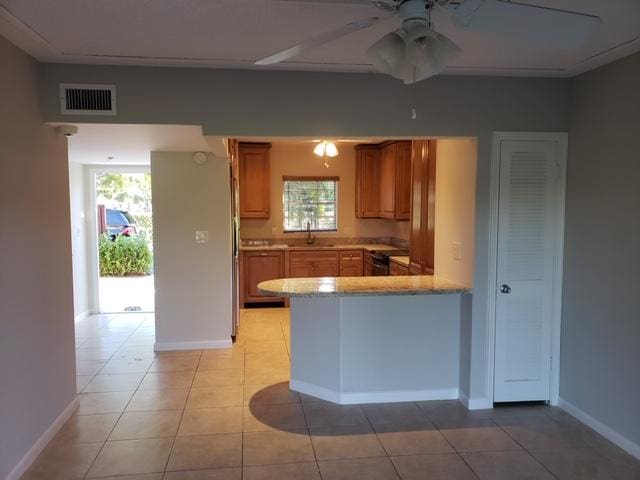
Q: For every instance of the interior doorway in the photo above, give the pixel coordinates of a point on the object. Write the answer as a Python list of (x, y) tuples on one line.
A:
[(122, 243)]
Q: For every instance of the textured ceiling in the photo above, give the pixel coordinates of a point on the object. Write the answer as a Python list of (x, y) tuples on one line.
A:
[(131, 144), (235, 33)]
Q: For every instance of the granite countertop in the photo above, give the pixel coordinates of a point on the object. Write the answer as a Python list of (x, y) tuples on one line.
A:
[(361, 286), (401, 260), (354, 246)]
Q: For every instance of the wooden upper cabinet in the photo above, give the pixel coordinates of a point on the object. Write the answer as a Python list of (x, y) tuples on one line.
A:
[(395, 180), (422, 214), (416, 252), (388, 181), (254, 180), (232, 150), (367, 181), (383, 180), (403, 181)]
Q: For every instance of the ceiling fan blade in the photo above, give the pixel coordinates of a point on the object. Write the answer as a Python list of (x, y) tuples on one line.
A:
[(551, 26), (318, 40), (342, 2)]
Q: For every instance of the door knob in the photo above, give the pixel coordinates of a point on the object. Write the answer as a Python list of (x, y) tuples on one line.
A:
[(505, 289)]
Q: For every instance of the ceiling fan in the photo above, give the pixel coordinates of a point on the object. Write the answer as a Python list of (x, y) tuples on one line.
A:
[(416, 51)]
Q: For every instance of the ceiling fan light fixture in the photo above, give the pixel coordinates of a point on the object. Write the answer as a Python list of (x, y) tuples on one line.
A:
[(325, 148), (319, 149), (413, 52), (331, 150)]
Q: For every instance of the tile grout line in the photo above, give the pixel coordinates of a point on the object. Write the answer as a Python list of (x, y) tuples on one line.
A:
[(375, 434), (184, 407), (527, 451), (244, 377), (121, 413)]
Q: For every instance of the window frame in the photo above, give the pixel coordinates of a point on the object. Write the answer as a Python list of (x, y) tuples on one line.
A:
[(310, 178)]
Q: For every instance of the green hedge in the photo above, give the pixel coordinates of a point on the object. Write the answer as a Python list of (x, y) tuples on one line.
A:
[(124, 256)]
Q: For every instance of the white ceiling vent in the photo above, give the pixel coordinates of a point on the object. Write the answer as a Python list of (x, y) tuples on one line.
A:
[(87, 99)]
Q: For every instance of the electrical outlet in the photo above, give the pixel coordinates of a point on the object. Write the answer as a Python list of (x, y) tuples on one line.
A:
[(456, 250), (202, 236), (274, 231)]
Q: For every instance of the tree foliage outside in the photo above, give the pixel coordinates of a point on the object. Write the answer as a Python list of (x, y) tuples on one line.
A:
[(130, 192), (124, 256), (310, 201)]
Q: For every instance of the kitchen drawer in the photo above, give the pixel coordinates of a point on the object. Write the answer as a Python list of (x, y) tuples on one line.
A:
[(316, 256), (314, 263), (351, 256)]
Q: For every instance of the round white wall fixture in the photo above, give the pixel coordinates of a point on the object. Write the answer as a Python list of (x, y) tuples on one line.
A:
[(67, 130), (200, 158)]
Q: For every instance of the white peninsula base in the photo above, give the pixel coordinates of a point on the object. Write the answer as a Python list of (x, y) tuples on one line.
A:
[(376, 348)]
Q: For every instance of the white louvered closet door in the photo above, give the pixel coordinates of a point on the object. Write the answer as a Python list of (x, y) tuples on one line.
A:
[(526, 222)]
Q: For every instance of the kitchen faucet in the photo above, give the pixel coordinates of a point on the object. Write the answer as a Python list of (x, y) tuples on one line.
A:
[(310, 239)]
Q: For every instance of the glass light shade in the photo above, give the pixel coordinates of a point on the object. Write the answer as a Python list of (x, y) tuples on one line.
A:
[(319, 149), (387, 54), (331, 150), (428, 52), (413, 52), (326, 148)]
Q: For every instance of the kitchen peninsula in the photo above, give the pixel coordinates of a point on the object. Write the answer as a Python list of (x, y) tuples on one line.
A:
[(374, 339)]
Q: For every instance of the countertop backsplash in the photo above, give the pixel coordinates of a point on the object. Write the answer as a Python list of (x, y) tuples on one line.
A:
[(301, 242)]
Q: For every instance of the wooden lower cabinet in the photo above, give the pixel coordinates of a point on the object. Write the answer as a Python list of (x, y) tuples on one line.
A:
[(313, 263), (367, 265), (398, 269), (351, 263), (256, 267), (415, 271)]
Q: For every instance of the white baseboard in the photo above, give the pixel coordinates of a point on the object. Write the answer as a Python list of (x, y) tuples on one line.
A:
[(42, 442), (81, 316), (607, 432), (352, 398), (314, 390), (204, 345), (475, 403)]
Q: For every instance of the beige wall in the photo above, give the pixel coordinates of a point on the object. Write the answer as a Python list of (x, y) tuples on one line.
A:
[(37, 363), (455, 209), (192, 280), (298, 159)]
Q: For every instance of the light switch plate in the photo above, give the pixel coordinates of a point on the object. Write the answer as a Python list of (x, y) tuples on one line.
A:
[(202, 236), (274, 231), (456, 250)]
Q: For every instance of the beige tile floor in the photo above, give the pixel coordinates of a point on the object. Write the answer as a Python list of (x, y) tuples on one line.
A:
[(229, 415)]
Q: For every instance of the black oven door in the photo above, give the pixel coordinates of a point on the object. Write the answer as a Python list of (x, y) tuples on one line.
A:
[(380, 269)]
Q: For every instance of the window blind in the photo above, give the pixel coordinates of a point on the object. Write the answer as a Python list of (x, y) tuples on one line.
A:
[(312, 200)]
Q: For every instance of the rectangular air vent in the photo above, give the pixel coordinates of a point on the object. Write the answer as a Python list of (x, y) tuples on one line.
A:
[(87, 99)]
